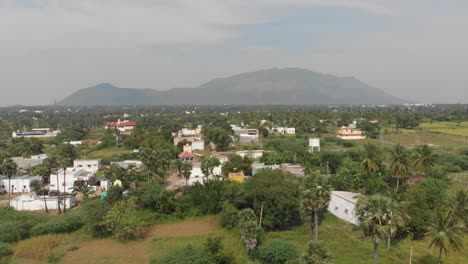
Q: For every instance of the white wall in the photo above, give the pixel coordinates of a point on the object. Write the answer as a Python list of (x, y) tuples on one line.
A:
[(92, 165), (18, 185), (343, 207), (33, 203)]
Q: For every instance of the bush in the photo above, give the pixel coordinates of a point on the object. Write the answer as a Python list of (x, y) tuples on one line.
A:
[(63, 224), (122, 222), (39, 247), (277, 252), (94, 212), (13, 231), (5, 250), (229, 216), (187, 255), (348, 144)]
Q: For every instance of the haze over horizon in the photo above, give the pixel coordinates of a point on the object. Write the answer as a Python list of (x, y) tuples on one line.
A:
[(414, 50)]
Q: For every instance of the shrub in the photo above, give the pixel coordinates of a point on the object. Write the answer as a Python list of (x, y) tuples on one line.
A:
[(122, 222), (187, 255), (277, 252), (94, 212), (13, 231), (63, 224), (348, 144), (317, 252), (229, 216), (39, 247), (5, 250)]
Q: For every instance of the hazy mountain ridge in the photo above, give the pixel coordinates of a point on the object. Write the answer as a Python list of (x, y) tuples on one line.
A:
[(273, 86)]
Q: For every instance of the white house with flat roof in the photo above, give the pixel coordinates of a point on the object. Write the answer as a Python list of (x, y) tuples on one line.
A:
[(197, 175), (90, 165), (18, 184), (67, 181), (343, 206)]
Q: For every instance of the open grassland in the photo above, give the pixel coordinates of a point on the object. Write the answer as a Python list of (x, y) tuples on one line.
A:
[(345, 241), (452, 128), (106, 153)]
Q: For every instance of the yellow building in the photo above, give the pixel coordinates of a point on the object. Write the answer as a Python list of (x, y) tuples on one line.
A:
[(236, 176)]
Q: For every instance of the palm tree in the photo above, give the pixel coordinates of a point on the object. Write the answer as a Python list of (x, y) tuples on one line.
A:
[(373, 212), (397, 217), (400, 163), (186, 170), (54, 163), (43, 170), (371, 158), (315, 196), (424, 159), (84, 188), (445, 234), (178, 165), (38, 187), (208, 165), (63, 162), (458, 206), (9, 168)]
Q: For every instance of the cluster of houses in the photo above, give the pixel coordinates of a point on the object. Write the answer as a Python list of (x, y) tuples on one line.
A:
[(246, 135), (193, 137)]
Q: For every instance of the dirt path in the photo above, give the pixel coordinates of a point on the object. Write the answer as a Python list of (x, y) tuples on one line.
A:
[(104, 251)]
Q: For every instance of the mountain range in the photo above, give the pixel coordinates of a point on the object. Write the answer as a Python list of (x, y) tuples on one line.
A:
[(277, 86)]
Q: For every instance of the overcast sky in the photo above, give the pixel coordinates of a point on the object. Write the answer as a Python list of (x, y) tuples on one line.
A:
[(414, 49)]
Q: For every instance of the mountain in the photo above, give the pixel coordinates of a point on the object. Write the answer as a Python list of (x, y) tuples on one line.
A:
[(287, 86)]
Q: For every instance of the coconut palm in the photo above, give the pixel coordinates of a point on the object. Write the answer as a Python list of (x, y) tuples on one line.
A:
[(84, 188), (371, 158), (315, 196), (445, 234), (373, 213), (9, 168), (63, 162), (38, 187), (400, 162), (397, 217), (424, 159), (43, 170), (186, 170), (54, 163), (458, 206)]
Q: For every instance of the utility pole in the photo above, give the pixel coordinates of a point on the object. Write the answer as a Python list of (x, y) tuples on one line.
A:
[(261, 216), (411, 253)]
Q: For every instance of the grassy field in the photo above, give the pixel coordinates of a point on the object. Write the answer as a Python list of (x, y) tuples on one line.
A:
[(344, 239), (106, 153), (451, 128)]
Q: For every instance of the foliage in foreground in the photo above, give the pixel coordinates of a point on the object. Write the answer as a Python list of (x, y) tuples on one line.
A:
[(40, 247), (277, 252)]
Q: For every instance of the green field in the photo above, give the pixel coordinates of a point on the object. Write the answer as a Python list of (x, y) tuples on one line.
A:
[(452, 128)]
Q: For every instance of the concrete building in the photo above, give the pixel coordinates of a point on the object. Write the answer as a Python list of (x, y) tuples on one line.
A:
[(260, 166), (314, 145), (18, 184), (247, 135), (35, 203), (343, 206), (283, 130), (254, 154), (125, 127), (294, 169), (197, 175), (349, 133), (127, 163), (36, 132), (90, 165), (72, 175), (24, 163)]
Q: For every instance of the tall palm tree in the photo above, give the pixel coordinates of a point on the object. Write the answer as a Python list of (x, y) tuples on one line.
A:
[(9, 168), (63, 162), (397, 217), (54, 163), (458, 206), (315, 196), (373, 212), (400, 163), (371, 158), (38, 187), (424, 159), (186, 170), (445, 234)]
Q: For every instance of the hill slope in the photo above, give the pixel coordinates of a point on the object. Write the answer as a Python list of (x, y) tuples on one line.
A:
[(274, 86)]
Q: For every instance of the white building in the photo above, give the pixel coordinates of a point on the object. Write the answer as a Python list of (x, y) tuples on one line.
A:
[(314, 145), (90, 165), (283, 130), (343, 206), (18, 184), (36, 132), (35, 203), (254, 154), (350, 133), (125, 127), (127, 163), (71, 176), (197, 175), (198, 145)]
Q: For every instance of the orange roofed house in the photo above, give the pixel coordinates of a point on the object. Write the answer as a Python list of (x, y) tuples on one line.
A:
[(125, 127), (346, 132)]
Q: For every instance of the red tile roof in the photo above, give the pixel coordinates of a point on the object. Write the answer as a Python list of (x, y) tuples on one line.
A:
[(120, 124), (186, 155)]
